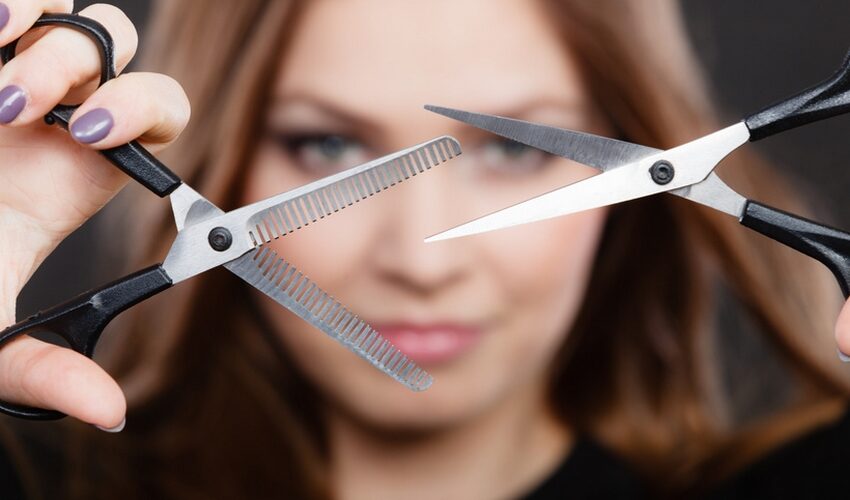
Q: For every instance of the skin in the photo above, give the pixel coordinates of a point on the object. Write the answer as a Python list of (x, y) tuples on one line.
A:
[(520, 287), (51, 185), (842, 329)]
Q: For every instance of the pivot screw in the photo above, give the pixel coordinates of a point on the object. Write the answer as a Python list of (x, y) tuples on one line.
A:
[(220, 239), (662, 172)]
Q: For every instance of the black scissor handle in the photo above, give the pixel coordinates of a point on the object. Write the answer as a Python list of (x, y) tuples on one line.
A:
[(132, 158), (828, 245), (81, 321), (825, 100)]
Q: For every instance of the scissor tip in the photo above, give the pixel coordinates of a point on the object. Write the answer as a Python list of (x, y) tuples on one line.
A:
[(441, 110), (445, 235), (424, 385)]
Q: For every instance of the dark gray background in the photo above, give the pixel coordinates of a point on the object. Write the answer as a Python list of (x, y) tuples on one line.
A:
[(754, 52)]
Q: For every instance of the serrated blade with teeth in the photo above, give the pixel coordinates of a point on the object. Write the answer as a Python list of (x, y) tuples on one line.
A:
[(288, 212), (266, 271), (260, 223)]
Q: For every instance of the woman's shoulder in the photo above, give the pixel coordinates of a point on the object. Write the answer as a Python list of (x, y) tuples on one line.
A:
[(590, 471), (813, 465)]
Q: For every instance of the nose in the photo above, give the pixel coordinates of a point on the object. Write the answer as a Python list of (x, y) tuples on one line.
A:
[(421, 208)]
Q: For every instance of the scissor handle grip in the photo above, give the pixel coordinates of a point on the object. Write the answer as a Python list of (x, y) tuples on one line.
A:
[(81, 321), (825, 100), (828, 245), (131, 158)]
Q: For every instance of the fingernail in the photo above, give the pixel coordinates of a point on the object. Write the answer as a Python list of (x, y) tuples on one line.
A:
[(93, 126), (4, 15), (118, 428), (13, 99), (843, 357)]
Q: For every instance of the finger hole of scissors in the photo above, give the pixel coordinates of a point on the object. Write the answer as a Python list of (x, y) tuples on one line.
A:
[(51, 337), (95, 31), (44, 334)]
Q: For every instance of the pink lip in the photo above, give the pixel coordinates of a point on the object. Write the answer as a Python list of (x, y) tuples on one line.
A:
[(432, 343)]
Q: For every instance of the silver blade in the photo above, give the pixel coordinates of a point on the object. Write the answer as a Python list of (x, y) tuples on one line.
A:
[(714, 193), (595, 192), (693, 163), (591, 150), (263, 269), (288, 212), (187, 257), (189, 207)]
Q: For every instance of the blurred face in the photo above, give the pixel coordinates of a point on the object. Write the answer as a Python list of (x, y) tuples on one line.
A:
[(485, 314)]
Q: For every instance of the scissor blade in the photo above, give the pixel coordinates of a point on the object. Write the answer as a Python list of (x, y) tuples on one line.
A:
[(263, 269), (288, 212), (607, 188), (591, 150), (189, 207), (693, 163)]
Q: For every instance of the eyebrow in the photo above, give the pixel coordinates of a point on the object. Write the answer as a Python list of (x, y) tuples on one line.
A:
[(339, 116), (527, 108), (326, 108), (560, 112)]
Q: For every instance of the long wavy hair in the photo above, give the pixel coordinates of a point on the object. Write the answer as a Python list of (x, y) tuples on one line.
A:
[(218, 410)]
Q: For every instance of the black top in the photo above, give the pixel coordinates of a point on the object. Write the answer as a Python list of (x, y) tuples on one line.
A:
[(589, 472), (813, 466)]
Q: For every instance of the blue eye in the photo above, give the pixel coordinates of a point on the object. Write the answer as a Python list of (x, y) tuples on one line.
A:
[(511, 157), (323, 153)]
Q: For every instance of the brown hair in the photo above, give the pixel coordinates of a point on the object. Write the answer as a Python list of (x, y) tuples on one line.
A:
[(216, 407)]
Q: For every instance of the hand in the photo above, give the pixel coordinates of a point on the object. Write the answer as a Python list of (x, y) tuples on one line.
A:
[(52, 181)]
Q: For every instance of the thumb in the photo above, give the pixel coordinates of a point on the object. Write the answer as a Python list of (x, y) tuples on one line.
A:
[(39, 374)]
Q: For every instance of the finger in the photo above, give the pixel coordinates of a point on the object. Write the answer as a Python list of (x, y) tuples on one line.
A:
[(42, 375), (146, 106), (41, 76), (19, 15), (842, 330)]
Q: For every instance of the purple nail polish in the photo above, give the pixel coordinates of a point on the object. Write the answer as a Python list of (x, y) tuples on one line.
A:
[(93, 126), (13, 99), (4, 15)]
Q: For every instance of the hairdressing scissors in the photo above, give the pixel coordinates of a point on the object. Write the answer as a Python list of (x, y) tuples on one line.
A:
[(207, 237), (631, 171)]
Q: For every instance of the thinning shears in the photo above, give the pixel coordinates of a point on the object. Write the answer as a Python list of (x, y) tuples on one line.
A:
[(631, 171), (207, 237)]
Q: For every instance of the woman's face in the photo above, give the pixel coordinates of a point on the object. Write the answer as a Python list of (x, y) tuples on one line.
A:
[(484, 314)]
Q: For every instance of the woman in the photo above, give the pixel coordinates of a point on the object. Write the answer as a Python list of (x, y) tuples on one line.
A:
[(580, 335)]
